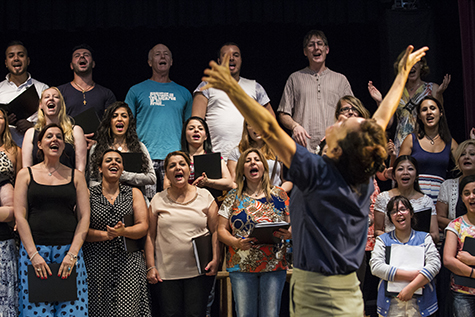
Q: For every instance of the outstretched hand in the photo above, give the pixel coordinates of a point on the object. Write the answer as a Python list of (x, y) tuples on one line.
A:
[(410, 58), (375, 93), (445, 83), (218, 76)]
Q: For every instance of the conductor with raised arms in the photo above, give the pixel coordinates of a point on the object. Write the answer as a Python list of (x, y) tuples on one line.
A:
[(330, 201)]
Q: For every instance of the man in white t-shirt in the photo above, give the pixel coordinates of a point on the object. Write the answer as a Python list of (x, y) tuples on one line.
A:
[(224, 120)]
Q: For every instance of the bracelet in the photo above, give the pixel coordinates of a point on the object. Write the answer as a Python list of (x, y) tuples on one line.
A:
[(471, 273), (73, 256), (34, 254), (152, 267)]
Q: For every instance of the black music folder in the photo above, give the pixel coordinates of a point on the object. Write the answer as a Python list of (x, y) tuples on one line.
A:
[(132, 162), (469, 246), (24, 105), (132, 245), (52, 289), (209, 163), (88, 121), (423, 219), (203, 251), (264, 232)]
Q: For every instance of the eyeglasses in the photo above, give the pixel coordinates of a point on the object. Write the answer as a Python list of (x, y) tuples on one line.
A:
[(401, 210), (348, 109)]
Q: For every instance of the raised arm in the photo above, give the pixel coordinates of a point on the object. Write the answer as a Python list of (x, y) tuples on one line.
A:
[(390, 102), (257, 116)]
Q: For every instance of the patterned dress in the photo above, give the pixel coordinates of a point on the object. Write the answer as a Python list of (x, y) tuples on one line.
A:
[(244, 214), (406, 113), (117, 278), (8, 255)]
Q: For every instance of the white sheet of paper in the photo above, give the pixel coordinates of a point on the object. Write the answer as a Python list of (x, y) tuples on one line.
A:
[(405, 257)]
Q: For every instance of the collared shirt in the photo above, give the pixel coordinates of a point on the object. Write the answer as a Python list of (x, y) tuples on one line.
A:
[(310, 99), (9, 91), (329, 219)]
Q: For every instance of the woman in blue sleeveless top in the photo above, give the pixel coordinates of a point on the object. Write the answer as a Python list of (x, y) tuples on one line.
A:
[(431, 145)]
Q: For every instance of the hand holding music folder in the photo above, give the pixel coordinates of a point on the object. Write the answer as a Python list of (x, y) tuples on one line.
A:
[(469, 246), (52, 289), (264, 232), (24, 105), (203, 251)]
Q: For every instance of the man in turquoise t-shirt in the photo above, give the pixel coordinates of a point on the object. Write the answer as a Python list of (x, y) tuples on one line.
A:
[(160, 106)]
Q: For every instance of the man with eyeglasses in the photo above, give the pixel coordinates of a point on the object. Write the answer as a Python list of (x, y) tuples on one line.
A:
[(310, 95)]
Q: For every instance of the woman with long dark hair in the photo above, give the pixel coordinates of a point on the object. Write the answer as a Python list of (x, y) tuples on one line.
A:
[(117, 131), (196, 140), (431, 145)]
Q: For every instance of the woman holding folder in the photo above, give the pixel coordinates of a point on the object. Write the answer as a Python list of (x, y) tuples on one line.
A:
[(179, 214), (117, 131), (329, 193), (51, 206), (257, 271), (117, 277), (401, 213), (52, 109), (456, 258), (195, 140)]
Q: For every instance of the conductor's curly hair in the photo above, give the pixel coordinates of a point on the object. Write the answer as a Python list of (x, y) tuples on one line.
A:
[(363, 153)]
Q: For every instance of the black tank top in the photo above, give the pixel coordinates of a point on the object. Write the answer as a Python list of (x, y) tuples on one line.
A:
[(51, 212)]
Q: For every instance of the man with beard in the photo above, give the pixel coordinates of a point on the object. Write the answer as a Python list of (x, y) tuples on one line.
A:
[(224, 120), (82, 92), (310, 95), (17, 81)]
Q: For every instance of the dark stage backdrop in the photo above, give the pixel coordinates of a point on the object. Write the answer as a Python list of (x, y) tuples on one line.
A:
[(364, 39)]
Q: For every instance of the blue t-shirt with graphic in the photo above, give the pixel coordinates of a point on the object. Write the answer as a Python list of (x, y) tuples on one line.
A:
[(160, 110)]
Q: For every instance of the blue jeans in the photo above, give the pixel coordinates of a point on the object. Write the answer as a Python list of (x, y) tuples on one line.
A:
[(463, 305), (258, 294)]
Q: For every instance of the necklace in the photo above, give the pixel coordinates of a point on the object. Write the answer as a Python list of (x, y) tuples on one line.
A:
[(84, 91), (118, 147), (255, 193), (51, 173), (112, 196), (432, 139)]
